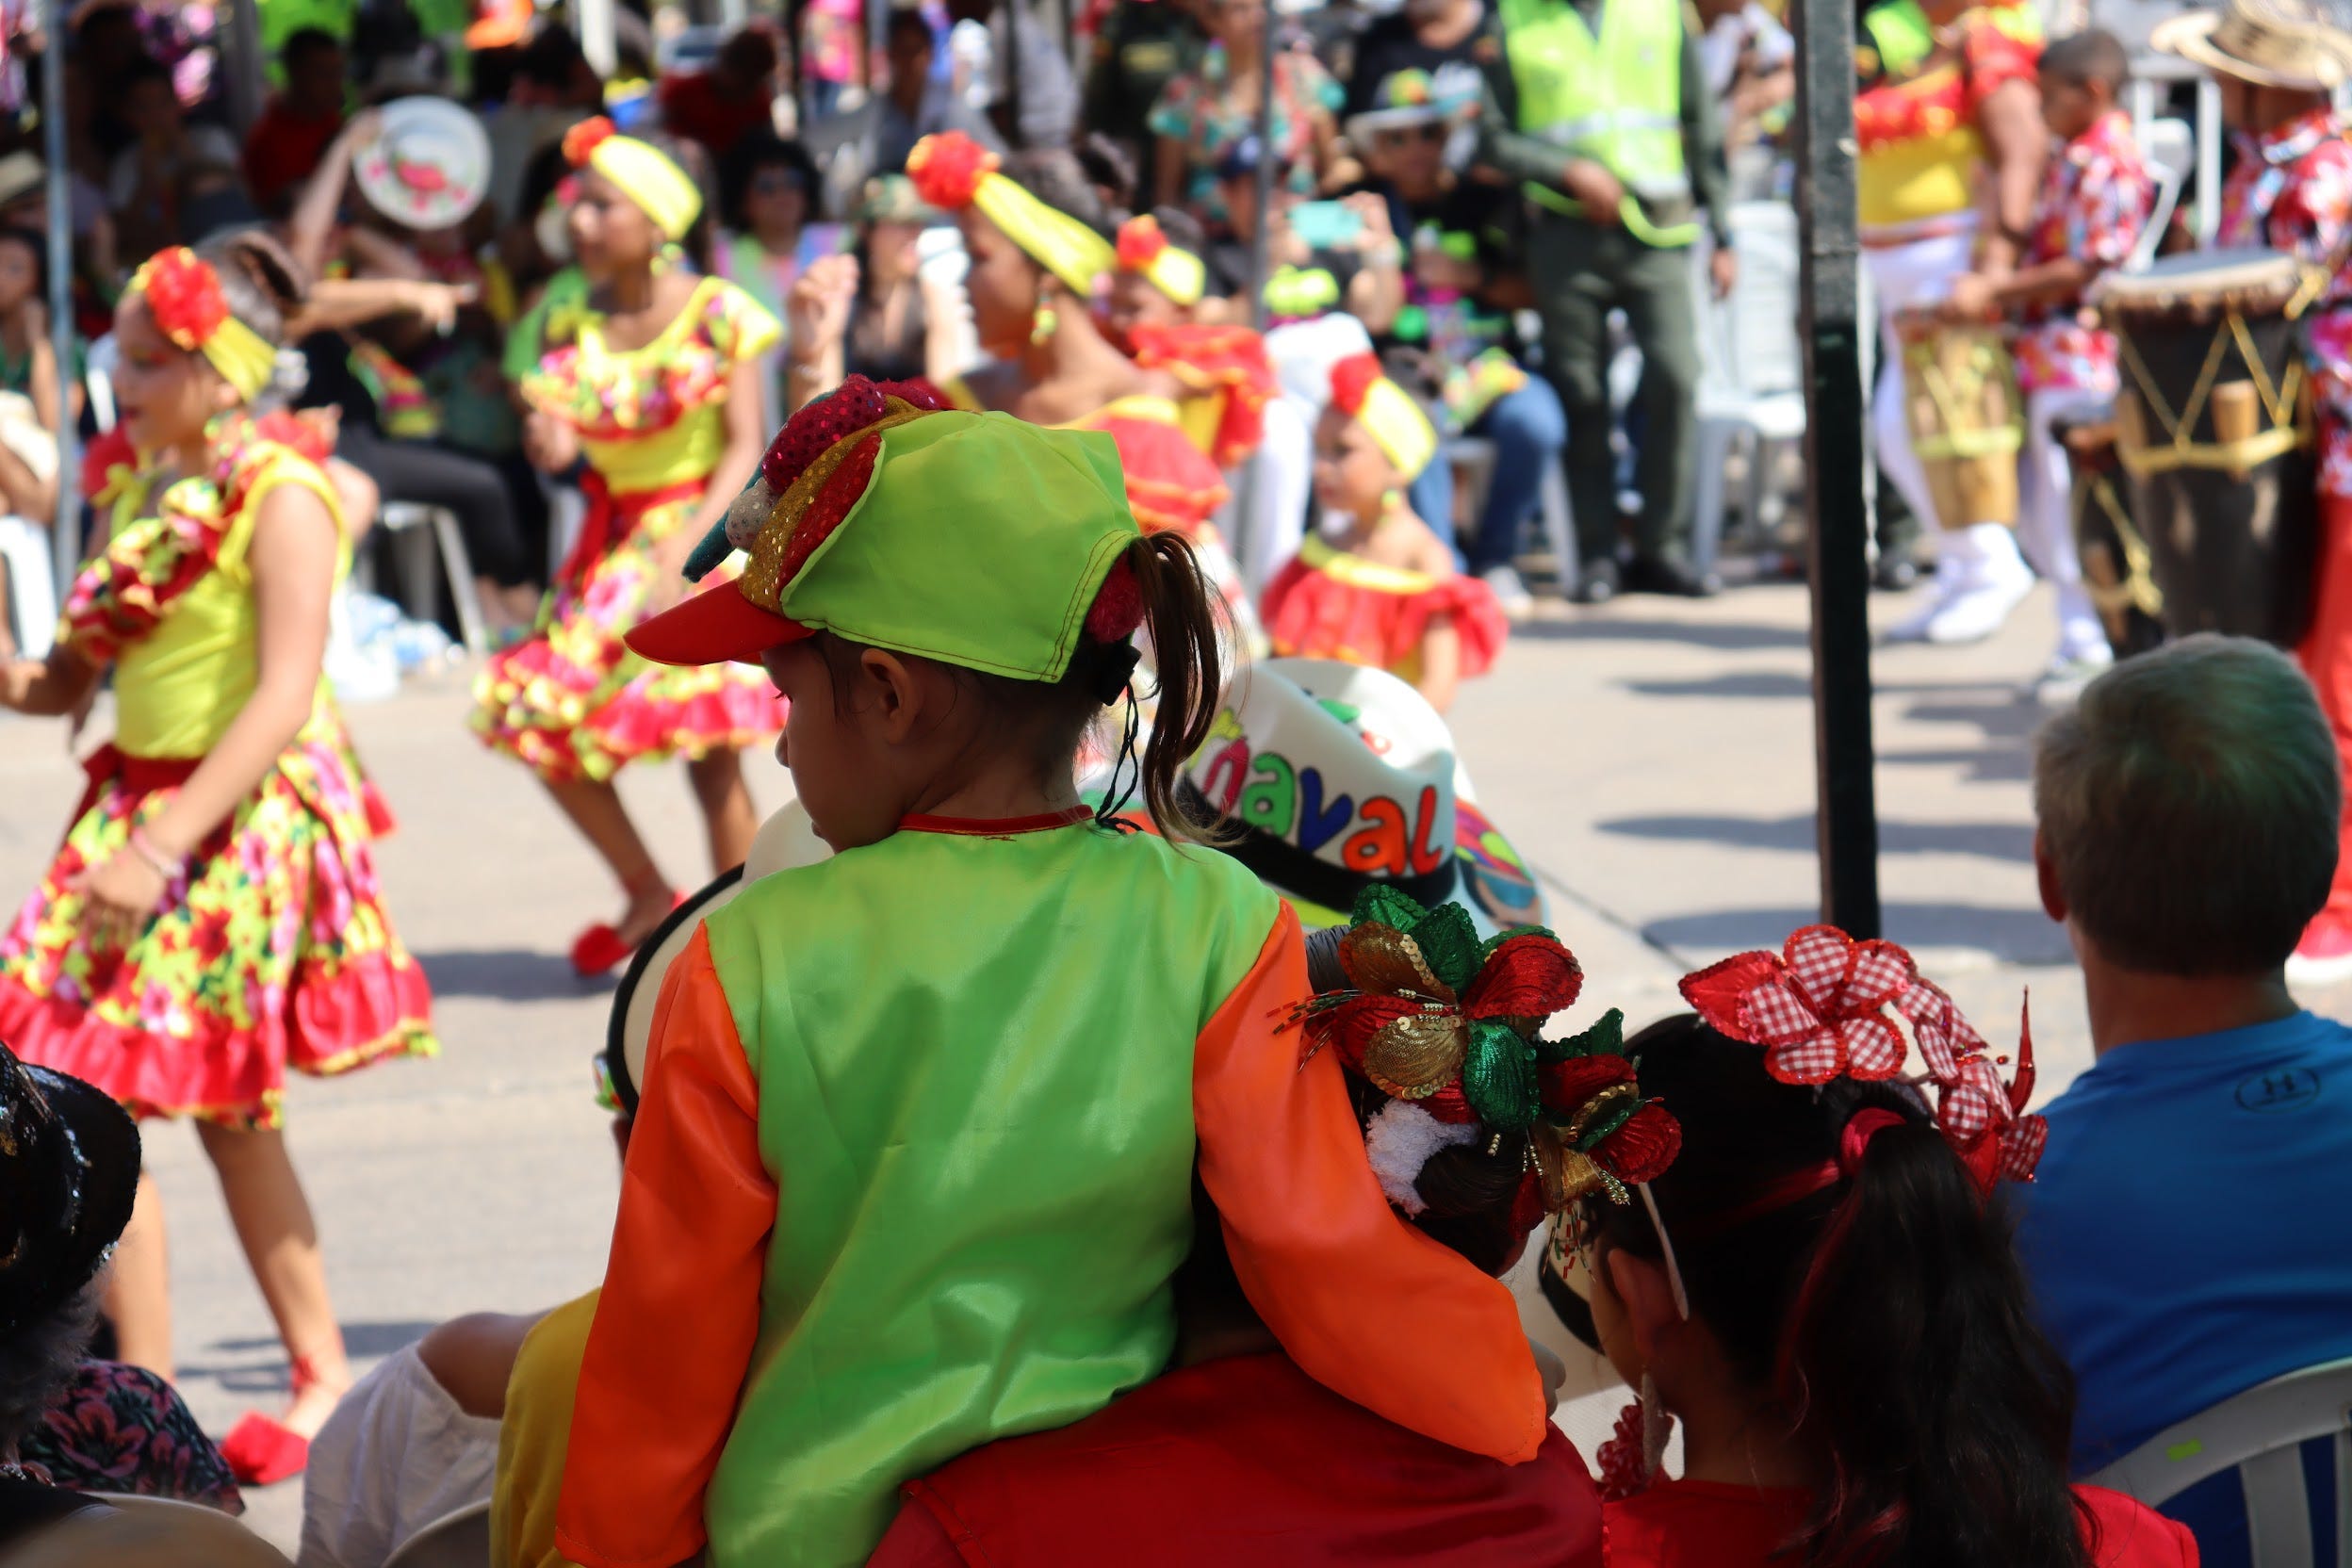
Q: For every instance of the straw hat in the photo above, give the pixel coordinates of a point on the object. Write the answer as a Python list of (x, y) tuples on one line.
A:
[(430, 166), (2293, 44)]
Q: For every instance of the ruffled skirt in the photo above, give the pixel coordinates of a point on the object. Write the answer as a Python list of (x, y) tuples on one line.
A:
[(1337, 612), (273, 950), (572, 702)]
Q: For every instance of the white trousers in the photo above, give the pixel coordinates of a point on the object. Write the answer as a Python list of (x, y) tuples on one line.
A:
[(1909, 277), (2045, 514)]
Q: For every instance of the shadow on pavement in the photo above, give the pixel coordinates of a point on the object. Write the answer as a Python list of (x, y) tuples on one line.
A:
[(1999, 841), (256, 1367), (1763, 684), (2023, 935), (1603, 628), (505, 975)]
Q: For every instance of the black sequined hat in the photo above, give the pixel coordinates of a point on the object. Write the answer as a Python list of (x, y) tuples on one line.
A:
[(69, 1167)]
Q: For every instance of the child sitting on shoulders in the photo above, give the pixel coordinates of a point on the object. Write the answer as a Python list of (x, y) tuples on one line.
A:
[(913, 1159), (2096, 201), (1377, 586)]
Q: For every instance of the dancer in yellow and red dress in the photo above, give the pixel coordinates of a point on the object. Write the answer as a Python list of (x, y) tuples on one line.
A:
[(1151, 311), (213, 917), (2292, 190), (1375, 585), (654, 381), (1037, 247)]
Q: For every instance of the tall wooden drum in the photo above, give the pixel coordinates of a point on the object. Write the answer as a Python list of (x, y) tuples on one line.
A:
[(2213, 430), (1967, 421)]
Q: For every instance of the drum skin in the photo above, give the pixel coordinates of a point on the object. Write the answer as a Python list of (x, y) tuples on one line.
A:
[(2222, 486)]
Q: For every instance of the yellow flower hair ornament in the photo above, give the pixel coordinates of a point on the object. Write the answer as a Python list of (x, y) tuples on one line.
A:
[(644, 173), (1177, 273), (185, 298), (952, 172), (1386, 411)]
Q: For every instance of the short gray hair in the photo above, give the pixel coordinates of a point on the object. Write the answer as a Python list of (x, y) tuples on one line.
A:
[(2190, 802)]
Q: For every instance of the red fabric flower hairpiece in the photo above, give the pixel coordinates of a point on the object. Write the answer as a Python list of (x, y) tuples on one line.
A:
[(1118, 607), (581, 140), (947, 167), (1351, 379), (1140, 243), (184, 296), (1818, 1008)]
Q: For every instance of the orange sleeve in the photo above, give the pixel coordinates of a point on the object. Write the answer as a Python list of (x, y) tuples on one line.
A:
[(655, 1403), (1368, 1306)]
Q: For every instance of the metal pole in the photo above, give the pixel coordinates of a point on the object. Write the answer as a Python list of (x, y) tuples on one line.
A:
[(247, 81), (1846, 808), (65, 544), (1262, 194)]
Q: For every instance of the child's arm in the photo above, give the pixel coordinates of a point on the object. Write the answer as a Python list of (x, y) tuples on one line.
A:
[(673, 1330), (1367, 1305), (1441, 662)]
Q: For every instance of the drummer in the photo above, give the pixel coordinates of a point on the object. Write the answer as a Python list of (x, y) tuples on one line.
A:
[(2279, 63), (2096, 199)]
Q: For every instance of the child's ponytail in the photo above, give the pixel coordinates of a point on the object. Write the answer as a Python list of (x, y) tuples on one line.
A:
[(1182, 617)]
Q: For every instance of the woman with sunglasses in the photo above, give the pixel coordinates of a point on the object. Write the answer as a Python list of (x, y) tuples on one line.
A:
[(768, 192), (1464, 281), (1822, 1290)]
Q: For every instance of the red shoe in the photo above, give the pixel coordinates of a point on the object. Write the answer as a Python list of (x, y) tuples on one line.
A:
[(601, 948), (2323, 956), (261, 1451)]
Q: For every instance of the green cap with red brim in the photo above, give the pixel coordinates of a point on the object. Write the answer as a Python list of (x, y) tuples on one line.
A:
[(976, 539)]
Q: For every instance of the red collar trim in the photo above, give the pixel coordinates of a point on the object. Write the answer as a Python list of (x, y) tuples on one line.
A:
[(997, 827)]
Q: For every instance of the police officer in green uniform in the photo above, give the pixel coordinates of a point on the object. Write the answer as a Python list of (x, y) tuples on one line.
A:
[(1602, 108)]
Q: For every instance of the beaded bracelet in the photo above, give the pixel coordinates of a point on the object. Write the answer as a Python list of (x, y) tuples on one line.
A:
[(145, 849)]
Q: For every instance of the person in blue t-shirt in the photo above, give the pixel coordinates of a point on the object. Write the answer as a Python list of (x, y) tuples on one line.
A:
[(2188, 1234)]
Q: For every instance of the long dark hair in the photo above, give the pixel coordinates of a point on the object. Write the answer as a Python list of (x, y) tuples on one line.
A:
[(1885, 1311)]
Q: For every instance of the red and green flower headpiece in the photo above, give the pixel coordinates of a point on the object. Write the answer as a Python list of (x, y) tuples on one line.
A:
[(1449, 1027), (184, 297)]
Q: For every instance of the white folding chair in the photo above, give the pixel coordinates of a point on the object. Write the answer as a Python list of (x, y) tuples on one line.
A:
[(2260, 1434), (1473, 458), (456, 1540), (2170, 147), (1750, 363), (418, 534), (201, 1534), (32, 603)]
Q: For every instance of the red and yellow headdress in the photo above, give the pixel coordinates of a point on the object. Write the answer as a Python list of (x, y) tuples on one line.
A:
[(1177, 273), (1387, 411), (645, 174), (952, 172), (184, 296)]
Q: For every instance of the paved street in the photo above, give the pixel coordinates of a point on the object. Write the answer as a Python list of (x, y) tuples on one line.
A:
[(1653, 760)]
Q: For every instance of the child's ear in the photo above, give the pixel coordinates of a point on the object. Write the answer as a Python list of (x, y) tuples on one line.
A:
[(894, 693), (1646, 1295)]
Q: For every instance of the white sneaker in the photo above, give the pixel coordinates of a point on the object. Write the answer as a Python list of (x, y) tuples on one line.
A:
[(1976, 612), (1935, 592), (1513, 594)]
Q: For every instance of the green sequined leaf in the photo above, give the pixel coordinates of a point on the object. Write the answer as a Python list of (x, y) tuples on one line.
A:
[(1379, 902), (1449, 942), (1498, 1077), (1606, 1037)]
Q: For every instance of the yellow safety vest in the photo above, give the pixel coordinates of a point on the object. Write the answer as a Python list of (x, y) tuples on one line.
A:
[(1616, 99)]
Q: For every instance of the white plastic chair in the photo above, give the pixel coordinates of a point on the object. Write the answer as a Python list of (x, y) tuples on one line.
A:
[(1750, 363), (201, 1534), (417, 535), (2259, 1435), (456, 1540), (1473, 459), (32, 606), (2170, 147)]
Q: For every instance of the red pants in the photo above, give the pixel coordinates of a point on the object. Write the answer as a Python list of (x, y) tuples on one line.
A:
[(2326, 655)]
